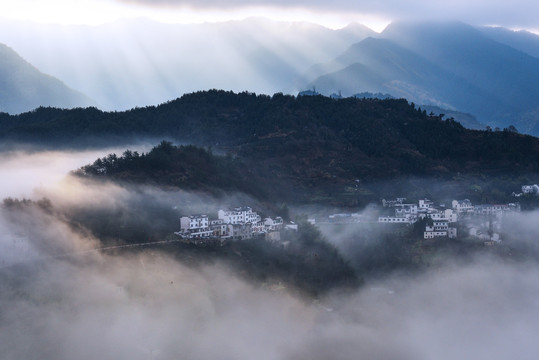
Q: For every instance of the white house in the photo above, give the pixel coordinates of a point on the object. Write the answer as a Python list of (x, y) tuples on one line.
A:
[(439, 228), (408, 219), (219, 228), (448, 214), (488, 209), (239, 215), (195, 226), (425, 204), (238, 223), (392, 203), (404, 209), (273, 224), (530, 189), (462, 206)]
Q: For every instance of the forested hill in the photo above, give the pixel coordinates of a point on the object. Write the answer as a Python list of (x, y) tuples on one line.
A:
[(311, 138)]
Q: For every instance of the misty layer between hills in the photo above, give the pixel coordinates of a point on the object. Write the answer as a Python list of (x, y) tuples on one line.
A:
[(146, 304)]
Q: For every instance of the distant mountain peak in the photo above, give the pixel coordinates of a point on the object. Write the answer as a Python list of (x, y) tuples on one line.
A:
[(23, 87)]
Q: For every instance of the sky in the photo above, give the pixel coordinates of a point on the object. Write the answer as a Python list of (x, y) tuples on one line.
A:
[(518, 14)]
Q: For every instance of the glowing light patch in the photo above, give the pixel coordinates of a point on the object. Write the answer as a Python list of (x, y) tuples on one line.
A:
[(95, 12), (87, 12)]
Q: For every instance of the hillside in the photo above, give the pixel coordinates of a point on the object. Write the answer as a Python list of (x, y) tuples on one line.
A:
[(522, 40), (24, 88), (299, 148), (380, 65), (509, 75), (384, 137)]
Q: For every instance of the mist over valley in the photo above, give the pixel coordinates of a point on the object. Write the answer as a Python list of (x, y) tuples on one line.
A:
[(260, 188)]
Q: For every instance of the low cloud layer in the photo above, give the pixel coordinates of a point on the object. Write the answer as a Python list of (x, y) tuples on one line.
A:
[(148, 305)]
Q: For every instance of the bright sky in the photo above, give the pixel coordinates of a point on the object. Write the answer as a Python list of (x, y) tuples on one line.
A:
[(94, 12), (518, 14), (376, 14)]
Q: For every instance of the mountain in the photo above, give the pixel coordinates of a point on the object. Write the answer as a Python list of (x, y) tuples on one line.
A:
[(449, 64), (141, 62), (295, 148), (24, 88), (380, 65), (522, 40)]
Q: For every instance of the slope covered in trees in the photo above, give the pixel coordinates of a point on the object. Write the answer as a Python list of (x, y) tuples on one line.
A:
[(293, 149), (312, 137)]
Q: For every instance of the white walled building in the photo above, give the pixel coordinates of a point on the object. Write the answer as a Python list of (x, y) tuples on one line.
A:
[(405, 209), (448, 214), (392, 203), (240, 231), (195, 226), (239, 223), (439, 228), (489, 209), (530, 189), (425, 204), (239, 215), (397, 219), (462, 206), (273, 224), (219, 228)]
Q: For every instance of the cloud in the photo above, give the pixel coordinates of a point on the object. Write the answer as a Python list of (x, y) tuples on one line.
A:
[(148, 305), (481, 12)]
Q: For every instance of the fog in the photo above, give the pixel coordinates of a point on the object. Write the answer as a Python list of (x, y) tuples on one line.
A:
[(140, 62), (23, 172), (514, 14), (61, 301)]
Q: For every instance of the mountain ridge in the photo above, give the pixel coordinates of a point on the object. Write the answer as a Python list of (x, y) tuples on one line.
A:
[(141, 63), (24, 88), (475, 73), (308, 139)]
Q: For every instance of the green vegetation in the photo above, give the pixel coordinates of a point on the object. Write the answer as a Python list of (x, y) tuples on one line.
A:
[(305, 149), (318, 137), (185, 167)]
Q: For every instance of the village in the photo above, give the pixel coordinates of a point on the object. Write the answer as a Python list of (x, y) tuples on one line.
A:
[(232, 224), (482, 221)]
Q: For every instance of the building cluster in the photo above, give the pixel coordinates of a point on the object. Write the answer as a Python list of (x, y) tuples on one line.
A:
[(528, 190), (442, 221), (234, 224)]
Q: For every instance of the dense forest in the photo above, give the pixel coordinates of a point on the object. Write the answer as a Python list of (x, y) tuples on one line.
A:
[(384, 137), (341, 151), (198, 169)]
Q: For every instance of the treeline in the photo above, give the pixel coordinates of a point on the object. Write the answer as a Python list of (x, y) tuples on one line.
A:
[(315, 137), (186, 167)]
